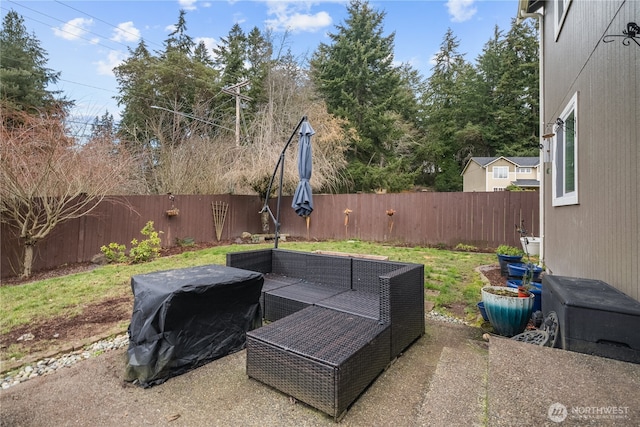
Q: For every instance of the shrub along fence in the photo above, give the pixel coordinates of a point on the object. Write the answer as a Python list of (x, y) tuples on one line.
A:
[(485, 220)]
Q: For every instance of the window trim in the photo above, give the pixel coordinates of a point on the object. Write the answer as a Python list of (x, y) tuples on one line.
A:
[(569, 198), (560, 17), (524, 170), (494, 170)]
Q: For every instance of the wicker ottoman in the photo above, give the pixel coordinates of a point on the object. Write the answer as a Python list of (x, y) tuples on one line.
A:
[(322, 357)]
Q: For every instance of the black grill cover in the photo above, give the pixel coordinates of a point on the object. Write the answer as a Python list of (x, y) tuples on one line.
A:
[(187, 317)]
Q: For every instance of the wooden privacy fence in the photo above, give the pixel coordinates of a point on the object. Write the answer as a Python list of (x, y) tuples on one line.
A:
[(485, 220)]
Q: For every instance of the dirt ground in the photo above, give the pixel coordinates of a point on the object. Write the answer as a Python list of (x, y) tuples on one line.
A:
[(95, 319), (108, 315)]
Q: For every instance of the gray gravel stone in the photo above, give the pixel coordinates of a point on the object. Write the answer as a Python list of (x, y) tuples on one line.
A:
[(50, 365)]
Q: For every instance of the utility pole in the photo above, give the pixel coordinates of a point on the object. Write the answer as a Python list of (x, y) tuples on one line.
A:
[(235, 91)]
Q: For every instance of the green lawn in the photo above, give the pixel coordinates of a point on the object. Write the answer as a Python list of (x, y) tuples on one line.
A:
[(450, 273)]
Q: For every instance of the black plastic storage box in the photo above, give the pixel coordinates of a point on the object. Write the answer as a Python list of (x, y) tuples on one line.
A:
[(594, 317)]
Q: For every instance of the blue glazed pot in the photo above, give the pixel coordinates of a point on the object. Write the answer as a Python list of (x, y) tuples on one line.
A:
[(505, 260), (508, 314), (483, 312), (535, 289), (519, 269)]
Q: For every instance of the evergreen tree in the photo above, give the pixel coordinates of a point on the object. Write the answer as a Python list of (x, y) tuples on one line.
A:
[(201, 55), (168, 100), (136, 96), (490, 68), (24, 75), (104, 127), (518, 92), (179, 39), (259, 52), (446, 114), (230, 56), (356, 76)]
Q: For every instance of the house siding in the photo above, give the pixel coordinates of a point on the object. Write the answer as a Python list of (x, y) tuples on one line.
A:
[(475, 178), (479, 178), (500, 183), (598, 238)]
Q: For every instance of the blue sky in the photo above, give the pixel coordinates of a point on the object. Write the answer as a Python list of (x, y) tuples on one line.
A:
[(86, 39)]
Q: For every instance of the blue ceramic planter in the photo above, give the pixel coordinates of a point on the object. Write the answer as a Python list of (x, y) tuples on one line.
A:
[(535, 289), (505, 260), (483, 312), (508, 314), (520, 269)]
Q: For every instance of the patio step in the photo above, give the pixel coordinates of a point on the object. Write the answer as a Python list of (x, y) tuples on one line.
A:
[(551, 386), (458, 390)]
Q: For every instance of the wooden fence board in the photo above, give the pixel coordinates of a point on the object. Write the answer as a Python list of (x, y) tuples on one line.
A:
[(485, 220)]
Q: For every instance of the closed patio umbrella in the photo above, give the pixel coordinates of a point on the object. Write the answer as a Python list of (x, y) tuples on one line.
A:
[(302, 198)]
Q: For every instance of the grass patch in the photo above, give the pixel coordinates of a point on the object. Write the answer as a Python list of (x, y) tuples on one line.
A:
[(450, 273)]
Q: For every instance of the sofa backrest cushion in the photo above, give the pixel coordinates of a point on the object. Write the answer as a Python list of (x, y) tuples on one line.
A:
[(323, 269), (288, 263), (330, 270), (365, 273), (256, 260)]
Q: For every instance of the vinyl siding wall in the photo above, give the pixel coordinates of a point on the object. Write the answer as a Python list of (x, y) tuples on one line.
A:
[(598, 238), (474, 178)]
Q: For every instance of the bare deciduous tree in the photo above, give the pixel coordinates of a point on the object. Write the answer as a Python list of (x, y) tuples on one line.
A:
[(48, 178), (291, 96)]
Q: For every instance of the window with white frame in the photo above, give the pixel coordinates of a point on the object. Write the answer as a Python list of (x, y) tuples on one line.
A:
[(523, 170), (561, 8), (500, 172), (565, 162)]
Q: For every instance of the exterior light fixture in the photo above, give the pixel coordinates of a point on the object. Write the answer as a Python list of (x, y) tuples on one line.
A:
[(631, 34)]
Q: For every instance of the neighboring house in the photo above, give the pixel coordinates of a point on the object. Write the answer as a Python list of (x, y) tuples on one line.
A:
[(590, 122), (497, 173)]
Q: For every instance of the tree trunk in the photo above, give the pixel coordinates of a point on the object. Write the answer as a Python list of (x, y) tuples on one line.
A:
[(264, 219), (28, 261)]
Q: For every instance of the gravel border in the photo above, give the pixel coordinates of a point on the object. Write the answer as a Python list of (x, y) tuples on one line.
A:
[(50, 365)]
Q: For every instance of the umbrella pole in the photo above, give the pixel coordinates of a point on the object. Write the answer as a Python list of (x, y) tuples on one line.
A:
[(280, 163), (277, 235)]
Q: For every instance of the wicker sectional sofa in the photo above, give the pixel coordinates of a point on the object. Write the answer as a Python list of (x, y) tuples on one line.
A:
[(334, 322)]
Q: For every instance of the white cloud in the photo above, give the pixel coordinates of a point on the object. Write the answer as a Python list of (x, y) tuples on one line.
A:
[(74, 29), (188, 4), (461, 10), (126, 32), (114, 58), (295, 16)]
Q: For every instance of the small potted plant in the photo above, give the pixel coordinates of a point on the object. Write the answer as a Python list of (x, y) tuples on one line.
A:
[(508, 255)]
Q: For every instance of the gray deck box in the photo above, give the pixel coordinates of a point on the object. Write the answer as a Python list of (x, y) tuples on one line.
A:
[(594, 317)]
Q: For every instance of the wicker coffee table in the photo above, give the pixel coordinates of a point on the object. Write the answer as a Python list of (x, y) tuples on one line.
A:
[(322, 357)]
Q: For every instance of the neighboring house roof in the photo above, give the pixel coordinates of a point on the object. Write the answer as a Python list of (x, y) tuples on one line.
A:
[(527, 162), (526, 183)]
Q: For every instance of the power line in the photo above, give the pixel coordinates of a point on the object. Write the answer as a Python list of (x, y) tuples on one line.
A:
[(67, 23), (103, 21), (89, 86)]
